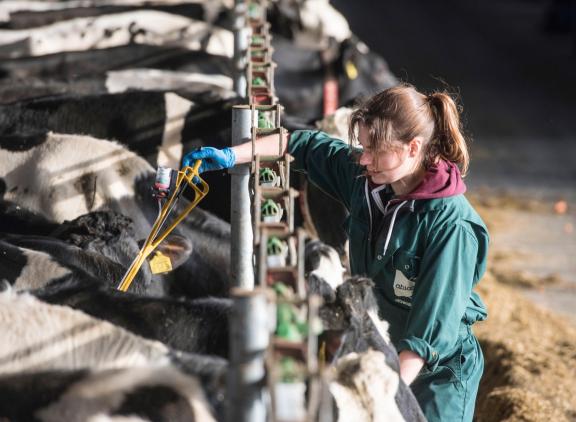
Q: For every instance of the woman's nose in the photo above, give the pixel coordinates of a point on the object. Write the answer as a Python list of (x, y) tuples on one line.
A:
[(365, 159)]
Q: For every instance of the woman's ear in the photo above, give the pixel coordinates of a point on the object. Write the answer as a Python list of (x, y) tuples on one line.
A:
[(415, 146)]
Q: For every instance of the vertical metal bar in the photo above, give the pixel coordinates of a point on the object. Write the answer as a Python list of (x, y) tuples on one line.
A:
[(241, 42), (249, 338), (242, 246)]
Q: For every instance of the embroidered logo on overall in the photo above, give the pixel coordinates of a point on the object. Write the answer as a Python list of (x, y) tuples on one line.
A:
[(403, 287)]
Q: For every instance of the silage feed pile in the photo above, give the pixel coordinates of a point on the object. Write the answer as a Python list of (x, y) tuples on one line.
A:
[(530, 352)]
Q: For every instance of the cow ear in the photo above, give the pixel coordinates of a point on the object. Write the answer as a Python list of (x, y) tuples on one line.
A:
[(177, 248)]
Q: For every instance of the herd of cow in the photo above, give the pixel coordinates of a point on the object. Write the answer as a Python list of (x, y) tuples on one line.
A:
[(94, 94)]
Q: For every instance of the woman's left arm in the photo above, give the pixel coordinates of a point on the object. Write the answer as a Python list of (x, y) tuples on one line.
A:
[(441, 293)]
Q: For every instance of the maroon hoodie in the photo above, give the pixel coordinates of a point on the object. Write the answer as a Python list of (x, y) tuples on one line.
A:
[(440, 181)]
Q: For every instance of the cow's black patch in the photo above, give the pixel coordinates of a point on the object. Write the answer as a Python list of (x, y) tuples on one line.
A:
[(12, 262), (136, 119), (21, 395), (2, 187), (156, 403), (21, 142), (105, 225), (86, 185), (16, 219)]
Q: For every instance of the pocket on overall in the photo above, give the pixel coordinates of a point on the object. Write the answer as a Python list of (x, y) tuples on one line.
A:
[(449, 370), (407, 263), (406, 266), (462, 364)]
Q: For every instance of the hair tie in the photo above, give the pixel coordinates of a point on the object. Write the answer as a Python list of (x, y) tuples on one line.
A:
[(431, 98)]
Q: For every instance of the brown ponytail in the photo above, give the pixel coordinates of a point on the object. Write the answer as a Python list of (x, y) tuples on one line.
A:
[(401, 113), (447, 141)]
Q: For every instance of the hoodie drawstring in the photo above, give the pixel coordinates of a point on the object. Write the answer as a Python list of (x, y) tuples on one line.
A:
[(369, 209), (392, 221), (389, 234)]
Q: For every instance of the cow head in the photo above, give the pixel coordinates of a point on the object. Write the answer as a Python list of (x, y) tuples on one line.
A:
[(351, 322), (324, 272)]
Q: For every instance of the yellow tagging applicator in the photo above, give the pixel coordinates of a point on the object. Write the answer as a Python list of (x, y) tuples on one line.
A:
[(160, 263), (187, 177)]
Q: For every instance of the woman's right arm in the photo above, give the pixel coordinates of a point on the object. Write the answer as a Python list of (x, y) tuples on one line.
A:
[(219, 159), (329, 163), (265, 145)]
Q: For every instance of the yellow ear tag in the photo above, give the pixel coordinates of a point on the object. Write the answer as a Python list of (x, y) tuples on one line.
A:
[(160, 263), (351, 70)]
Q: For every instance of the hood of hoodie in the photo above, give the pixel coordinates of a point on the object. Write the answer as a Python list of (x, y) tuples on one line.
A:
[(440, 181)]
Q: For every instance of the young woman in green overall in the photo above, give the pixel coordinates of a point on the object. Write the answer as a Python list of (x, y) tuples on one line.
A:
[(410, 229)]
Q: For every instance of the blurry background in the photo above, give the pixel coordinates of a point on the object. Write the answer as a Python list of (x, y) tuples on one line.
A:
[(513, 62)]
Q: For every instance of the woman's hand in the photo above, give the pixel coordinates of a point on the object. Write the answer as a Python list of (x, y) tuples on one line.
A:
[(212, 158), (410, 365)]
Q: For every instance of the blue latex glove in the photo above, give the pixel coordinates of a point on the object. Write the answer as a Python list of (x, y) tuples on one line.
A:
[(212, 158)]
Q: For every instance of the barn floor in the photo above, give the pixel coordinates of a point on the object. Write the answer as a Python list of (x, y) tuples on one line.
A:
[(517, 87), (530, 351)]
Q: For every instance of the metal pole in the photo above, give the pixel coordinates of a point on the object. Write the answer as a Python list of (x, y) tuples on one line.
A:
[(242, 246), (250, 327), (241, 41)]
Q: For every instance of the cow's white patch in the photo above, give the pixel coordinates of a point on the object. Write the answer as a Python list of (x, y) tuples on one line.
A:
[(380, 324), (364, 388), (166, 80), (39, 270), (106, 31), (322, 20), (37, 336), (403, 287), (170, 153), (48, 178), (104, 159), (118, 190), (220, 43), (330, 269)]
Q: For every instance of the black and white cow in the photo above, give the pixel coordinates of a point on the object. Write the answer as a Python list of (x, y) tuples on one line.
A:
[(56, 362), (137, 394), (364, 388), (352, 326), (95, 248), (48, 261), (308, 23), (38, 336), (193, 326), (28, 14), (84, 65), (140, 27), (100, 175), (156, 125), (354, 318), (301, 74), (187, 85)]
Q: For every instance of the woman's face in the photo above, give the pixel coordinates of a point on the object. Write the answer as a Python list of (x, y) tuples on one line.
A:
[(385, 166)]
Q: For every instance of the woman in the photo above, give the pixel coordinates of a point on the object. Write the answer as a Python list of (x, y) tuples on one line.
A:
[(411, 230)]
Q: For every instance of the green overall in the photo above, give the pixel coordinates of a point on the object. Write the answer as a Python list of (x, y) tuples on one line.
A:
[(424, 267)]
